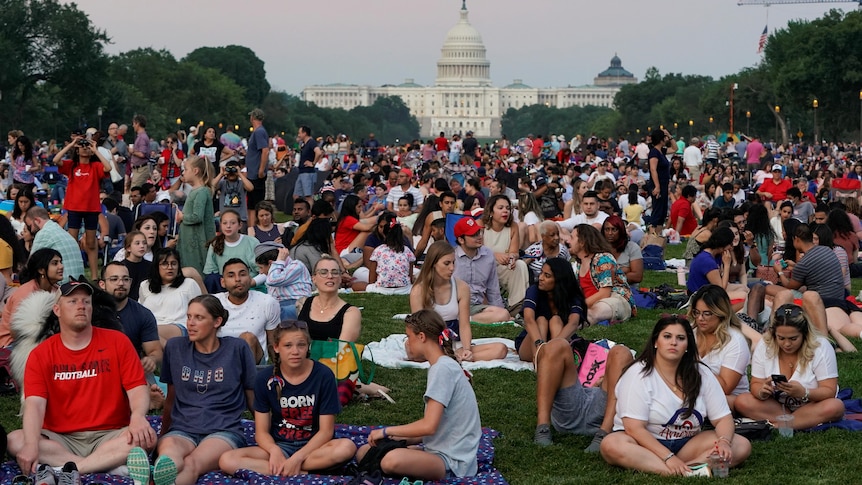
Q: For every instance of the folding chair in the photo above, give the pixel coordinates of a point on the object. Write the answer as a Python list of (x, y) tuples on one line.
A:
[(169, 210), (451, 220)]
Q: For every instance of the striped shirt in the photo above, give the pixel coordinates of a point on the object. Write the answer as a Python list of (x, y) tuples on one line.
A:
[(288, 280)]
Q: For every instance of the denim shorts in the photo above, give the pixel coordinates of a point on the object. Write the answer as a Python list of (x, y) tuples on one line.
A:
[(290, 447), (304, 186), (675, 445), (235, 440)]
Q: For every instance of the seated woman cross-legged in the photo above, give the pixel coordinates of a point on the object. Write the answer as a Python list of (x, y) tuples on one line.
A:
[(721, 344), (437, 289), (295, 404), (608, 294), (167, 294), (663, 400), (806, 361), (554, 308), (712, 264)]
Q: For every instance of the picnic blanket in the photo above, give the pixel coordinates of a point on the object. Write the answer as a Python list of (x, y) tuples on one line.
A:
[(390, 353), (487, 474), (852, 413)]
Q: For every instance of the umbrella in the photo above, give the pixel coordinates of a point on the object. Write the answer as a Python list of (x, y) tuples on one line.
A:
[(724, 136)]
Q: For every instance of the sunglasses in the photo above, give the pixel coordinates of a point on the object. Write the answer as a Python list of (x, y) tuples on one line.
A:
[(674, 317), (788, 311), (291, 324)]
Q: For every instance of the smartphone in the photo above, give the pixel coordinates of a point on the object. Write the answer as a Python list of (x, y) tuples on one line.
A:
[(783, 264), (779, 378)]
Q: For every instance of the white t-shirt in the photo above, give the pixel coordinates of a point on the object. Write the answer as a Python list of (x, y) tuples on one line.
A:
[(170, 305), (582, 218), (649, 399), (692, 157), (530, 218), (823, 366), (734, 356), (258, 314)]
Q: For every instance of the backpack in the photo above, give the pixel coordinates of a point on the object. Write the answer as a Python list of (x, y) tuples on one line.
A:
[(653, 257)]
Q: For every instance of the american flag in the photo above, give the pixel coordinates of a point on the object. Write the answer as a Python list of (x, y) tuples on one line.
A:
[(762, 42)]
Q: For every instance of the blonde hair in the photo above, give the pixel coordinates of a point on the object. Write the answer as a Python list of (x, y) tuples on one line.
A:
[(204, 167), (791, 315), (716, 299)]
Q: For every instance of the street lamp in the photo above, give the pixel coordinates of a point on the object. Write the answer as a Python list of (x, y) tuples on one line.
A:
[(777, 114), (690, 126), (711, 119), (860, 116), (179, 121), (816, 130), (733, 87), (99, 112), (748, 119)]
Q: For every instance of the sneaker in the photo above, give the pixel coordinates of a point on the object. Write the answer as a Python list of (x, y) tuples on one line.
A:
[(68, 475), (45, 476), (164, 471), (543, 435), (138, 464), (596, 443)]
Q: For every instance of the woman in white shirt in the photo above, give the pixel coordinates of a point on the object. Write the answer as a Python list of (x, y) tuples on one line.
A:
[(720, 342), (167, 294), (793, 370), (663, 400)]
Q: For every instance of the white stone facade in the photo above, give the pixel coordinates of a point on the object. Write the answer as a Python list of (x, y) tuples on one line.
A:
[(463, 98)]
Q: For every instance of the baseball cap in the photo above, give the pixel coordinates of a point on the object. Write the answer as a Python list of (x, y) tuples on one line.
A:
[(266, 247), (193, 129), (327, 187), (67, 288), (466, 226), (541, 181), (777, 167), (408, 172)]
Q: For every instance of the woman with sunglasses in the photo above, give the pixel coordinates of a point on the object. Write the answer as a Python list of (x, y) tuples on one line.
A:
[(663, 399), (450, 428), (793, 371), (327, 315), (295, 404), (721, 343), (210, 384)]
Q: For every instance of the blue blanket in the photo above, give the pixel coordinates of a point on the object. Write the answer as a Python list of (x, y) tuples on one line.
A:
[(487, 475)]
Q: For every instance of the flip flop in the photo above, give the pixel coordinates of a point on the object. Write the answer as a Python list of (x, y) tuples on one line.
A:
[(164, 471)]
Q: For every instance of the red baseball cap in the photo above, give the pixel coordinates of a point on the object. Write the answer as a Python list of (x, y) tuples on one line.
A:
[(466, 227)]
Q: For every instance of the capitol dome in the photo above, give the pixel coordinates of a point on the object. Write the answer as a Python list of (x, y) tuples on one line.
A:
[(462, 61)]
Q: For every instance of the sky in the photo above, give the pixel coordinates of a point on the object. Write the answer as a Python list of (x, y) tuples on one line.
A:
[(546, 43)]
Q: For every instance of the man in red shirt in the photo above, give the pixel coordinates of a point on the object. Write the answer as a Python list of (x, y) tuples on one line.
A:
[(682, 218), (774, 190), (85, 395), (441, 144)]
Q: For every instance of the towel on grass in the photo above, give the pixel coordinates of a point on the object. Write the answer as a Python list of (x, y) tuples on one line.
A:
[(487, 474), (390, 353)]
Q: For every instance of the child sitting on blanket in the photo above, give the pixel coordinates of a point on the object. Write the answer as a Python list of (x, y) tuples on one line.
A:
[(437, 289), (450, 428), (295, 403)]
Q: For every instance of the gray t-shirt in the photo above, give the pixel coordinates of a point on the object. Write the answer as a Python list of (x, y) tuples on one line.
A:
[(630, 253), (232, 195), (803, 211), (820, 271), (456, 440)]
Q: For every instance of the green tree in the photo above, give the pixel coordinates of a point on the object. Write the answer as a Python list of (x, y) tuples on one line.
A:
[(48, 49), (238, 63)]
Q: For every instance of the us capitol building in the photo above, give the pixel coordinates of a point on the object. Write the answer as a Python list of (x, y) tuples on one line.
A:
[(462, 97)]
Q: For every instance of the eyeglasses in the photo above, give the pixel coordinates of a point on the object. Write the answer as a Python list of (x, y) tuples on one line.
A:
[(705, 314), (334, 273), (117, 279), (169, 264), (288, 324)]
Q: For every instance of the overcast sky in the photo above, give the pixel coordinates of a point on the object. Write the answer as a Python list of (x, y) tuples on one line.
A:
[(546, 43)]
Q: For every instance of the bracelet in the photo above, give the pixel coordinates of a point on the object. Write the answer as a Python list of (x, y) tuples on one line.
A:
[(384, 433), (726, 439), (668, 457)]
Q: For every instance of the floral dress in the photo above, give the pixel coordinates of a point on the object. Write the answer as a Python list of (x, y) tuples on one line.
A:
[(393, 269)]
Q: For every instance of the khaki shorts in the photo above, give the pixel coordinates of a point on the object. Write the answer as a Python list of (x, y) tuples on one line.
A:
[(83, 443), (620, 306)]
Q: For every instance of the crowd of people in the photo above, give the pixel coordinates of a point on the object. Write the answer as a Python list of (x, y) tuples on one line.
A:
[(192, 298)]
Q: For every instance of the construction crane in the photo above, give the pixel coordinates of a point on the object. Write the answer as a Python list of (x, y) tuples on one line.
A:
[(767, 3)]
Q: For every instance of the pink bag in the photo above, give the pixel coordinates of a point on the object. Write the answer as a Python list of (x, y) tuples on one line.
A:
[(592, 359)]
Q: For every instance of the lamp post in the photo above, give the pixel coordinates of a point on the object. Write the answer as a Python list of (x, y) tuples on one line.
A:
[(675, 126), (711, 119), (690, 126), (816, 130), (733, 88), (56, 106), (748, 121), (777, 114), (860, 116), (99, 112)]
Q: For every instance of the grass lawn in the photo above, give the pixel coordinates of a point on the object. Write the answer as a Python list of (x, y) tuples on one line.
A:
[(507, 404)]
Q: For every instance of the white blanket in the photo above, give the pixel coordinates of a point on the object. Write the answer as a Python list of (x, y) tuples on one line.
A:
[(390, 353)]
